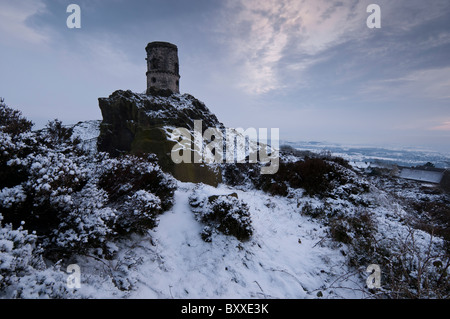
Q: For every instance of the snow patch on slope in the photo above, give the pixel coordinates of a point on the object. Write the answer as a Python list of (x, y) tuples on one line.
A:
[(87, 132)]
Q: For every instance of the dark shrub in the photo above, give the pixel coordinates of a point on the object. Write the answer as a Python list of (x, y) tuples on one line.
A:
[(12, 122), (15, 142), (224, 213), (129, 174), (231, 216), (339, 232), (315, 175), (239, 174), (358, 229), (139, 213), (56, 133), (314, 212), (434, 218)]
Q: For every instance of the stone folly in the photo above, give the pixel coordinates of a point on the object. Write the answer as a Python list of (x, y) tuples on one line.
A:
[(162, 67)]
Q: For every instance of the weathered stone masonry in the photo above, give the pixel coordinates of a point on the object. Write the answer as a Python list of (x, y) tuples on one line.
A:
[(162, 66)]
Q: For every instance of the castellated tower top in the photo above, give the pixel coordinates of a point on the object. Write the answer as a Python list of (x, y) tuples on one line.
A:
[(162, 66)]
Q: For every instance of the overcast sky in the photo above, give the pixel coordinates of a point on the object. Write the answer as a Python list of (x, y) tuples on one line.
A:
[(311, 68)]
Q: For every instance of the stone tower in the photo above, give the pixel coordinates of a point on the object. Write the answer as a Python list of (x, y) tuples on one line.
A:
[(162, 66)]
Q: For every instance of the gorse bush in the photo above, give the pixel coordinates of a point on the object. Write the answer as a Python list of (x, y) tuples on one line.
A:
[(138, 189), (18, 253), (85, 221), (15, 140), (223, 213), (23, 272), (139, 212), (317, 176), (74, 200), (231, 217), (127, 174)]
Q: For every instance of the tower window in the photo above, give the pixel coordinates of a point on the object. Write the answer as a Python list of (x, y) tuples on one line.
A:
[(154, 63), (178, 83), (153, 80)]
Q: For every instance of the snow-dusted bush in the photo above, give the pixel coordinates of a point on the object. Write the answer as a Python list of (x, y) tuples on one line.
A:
[(54, 174), (78, 202), (17, 253), (43, 200), (13, 148), (317, 211), (414, 264), (22, 271), (49, 283), (434, 217), (74, 200), (86, 201), (138, 189), (123, 176), (224, 213), (231, 217), (12, 196), (316, 176), (86, 221), (139, 212)]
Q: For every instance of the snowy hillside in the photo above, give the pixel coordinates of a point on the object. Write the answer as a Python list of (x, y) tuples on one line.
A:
[(284, 258), (309, 231), (403, 156)]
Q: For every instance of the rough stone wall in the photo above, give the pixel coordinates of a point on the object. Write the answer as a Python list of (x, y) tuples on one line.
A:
[(163, 66)]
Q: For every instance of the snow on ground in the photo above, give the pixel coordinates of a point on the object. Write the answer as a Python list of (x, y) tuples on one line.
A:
[(283, 259), (289, 255)]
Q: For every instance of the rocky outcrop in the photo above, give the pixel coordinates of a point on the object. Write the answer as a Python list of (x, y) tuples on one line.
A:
[(135, 123)]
